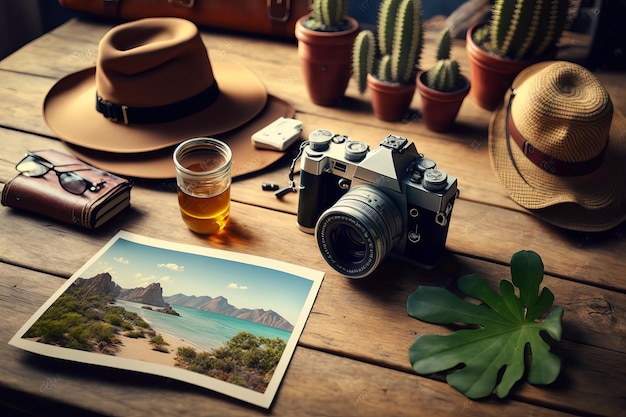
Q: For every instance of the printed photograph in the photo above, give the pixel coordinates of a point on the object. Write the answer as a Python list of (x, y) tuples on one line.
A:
[(225, 321)]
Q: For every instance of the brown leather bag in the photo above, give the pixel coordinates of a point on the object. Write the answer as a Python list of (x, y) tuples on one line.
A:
[(267, 17)]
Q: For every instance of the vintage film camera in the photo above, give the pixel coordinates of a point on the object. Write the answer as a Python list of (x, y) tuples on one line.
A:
[(364, 204)]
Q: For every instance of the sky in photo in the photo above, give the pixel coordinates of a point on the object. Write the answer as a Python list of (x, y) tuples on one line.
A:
[(133, 265)]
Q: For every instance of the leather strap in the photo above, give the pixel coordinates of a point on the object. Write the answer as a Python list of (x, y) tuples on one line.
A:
[(277, 10), (159, 114), (188, 4), (111, 7)]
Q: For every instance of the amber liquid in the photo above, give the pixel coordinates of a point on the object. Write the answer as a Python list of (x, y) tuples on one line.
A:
[(205, 212)]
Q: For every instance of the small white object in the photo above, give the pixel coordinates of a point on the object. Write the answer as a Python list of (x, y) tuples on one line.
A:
[(278, 135)]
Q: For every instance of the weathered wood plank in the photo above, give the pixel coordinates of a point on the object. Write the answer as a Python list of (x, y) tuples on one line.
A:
[(21, 100), (590, 258), (343, 386), (362, 319)]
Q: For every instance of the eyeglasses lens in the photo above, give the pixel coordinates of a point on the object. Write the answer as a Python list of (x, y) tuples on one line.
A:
[(32, 168), (72, 183)]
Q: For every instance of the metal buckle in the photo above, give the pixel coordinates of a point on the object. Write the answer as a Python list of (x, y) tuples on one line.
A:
[(182, 3), (275, 7), (111, 111)]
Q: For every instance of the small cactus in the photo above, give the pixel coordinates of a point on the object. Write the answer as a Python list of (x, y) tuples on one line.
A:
[(445, 75), (445, 45), (394, 56), (327, 15), (522, 29)]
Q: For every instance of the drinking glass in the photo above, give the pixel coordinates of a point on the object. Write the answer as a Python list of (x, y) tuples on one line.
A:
[(203, 180)]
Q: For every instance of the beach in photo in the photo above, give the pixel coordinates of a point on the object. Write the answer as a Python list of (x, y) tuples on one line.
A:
[(142, 350)]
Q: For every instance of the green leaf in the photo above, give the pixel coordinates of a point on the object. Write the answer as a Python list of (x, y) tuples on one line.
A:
[(490, 356)]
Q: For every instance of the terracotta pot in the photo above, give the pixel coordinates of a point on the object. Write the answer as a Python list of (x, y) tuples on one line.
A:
[(326, 59), (389, 101), (439, 109), (490, 75)]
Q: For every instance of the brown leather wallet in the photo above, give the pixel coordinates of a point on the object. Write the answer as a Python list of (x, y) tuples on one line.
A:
[(44, 194)]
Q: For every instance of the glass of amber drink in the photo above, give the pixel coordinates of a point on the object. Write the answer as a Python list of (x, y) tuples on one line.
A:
[(203, 179)]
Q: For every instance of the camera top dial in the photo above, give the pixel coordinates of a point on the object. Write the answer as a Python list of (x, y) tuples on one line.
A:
[(355, 150), (435, 179), (319, 139)]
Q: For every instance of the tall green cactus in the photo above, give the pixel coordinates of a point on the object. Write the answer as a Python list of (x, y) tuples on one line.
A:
[(524, 29), (407, 41), (396, 51), (363, 57), (327, 15), (445, 75)]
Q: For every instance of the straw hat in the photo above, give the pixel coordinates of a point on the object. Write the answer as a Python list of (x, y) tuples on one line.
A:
[(154, 86), (559, 147)]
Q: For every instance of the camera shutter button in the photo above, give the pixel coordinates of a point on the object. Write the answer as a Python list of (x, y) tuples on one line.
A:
[(355, 150), (416, 177), (435, 179), (339, 138)]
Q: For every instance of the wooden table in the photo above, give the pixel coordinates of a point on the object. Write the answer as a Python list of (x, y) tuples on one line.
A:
[(352, 357)]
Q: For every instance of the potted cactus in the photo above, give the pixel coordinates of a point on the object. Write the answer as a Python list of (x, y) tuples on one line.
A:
[(387, 64), (442, 88), (325, 38), (520, 33)]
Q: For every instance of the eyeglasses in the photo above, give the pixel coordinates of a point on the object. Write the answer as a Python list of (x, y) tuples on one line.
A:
[(35, 166)]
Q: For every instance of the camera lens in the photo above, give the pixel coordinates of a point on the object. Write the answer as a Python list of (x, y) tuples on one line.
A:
[(358, 231)]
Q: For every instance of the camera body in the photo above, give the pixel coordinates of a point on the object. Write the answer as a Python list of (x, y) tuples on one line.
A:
[(363, 204)]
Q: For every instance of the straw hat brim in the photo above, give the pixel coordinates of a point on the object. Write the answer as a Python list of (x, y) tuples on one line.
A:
[(70, 111), (592, 202), (158, 164)]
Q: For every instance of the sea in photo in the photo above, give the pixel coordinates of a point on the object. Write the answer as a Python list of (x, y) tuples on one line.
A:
[(202, 329)]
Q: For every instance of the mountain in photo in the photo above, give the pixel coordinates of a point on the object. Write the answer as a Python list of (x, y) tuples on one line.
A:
[(152, 295), (103, 284), (220, 305)]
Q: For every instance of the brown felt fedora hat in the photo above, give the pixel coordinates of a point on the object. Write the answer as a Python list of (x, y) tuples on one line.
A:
[(154, 86), (558, 146)]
